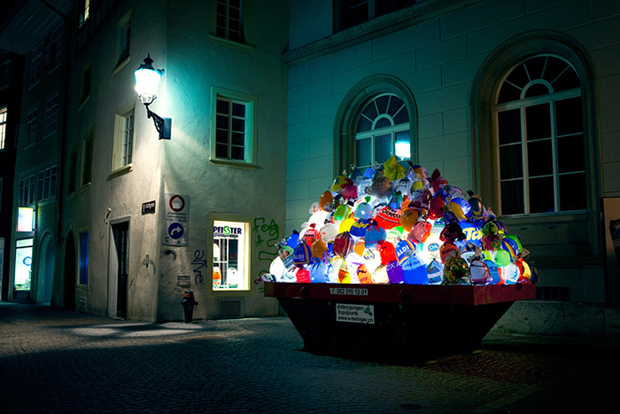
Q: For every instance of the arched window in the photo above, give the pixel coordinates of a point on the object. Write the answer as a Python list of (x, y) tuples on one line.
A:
[(536, 150), (540, 138), (382, 131), (376, 119)]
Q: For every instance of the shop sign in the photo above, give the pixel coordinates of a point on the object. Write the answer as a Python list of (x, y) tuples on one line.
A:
[(346, 312), (177, 220), (25, 219), (227, 232)]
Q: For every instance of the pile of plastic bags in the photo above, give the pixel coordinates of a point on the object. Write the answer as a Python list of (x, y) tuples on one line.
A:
[(393, 224)]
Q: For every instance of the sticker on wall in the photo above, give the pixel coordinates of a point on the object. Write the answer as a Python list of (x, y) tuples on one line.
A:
[(177, 220), (183, 281)]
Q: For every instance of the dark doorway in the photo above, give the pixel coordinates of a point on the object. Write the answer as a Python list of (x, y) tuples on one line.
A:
[(121, 239), (70, 273)]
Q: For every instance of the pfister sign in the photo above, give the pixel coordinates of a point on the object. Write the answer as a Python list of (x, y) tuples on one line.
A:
[(177, 220)]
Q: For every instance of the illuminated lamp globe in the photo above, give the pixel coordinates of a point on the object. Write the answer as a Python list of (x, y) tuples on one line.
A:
[(147, 81)]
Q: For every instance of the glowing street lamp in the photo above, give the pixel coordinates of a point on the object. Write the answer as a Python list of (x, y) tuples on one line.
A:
[(147, 80)]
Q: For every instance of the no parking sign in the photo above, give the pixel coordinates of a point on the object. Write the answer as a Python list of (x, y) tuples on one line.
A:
[(177, 220)]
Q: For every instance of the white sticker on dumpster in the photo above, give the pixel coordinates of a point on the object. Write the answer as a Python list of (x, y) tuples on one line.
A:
[(348, 291), (355, 313)]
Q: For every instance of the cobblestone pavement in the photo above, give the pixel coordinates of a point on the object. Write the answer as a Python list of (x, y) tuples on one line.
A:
[(57, 361)]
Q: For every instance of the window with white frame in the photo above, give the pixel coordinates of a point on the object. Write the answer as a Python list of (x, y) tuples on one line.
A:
[(36, 63), (540, 138), (5, 68), (231, 255), (31, 126), (87, 160), (51, 114), (25, 194), (124, 38), (382, 131), (3, 116), (234, 127), (229, 20), (124, 139), (47, 183)]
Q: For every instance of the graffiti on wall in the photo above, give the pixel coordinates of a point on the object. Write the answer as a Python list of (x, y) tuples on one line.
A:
[(267, 235), (198, 263)]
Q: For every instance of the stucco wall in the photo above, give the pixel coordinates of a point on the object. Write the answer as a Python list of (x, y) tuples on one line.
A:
[(195, 64), (438, 58), (123, 194)]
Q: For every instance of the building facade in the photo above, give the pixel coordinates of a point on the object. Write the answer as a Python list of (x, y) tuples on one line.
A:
[(514, 100), (270, 101), (142, 219), (11, 70)]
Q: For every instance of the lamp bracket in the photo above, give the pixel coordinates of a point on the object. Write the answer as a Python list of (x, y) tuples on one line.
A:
[(163, 125)]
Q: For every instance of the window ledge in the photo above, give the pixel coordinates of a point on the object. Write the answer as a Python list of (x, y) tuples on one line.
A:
[(231, 43), (49, 72), (234, 164), (545, 217), (49, 134), (120, 65), (32, 85), (84, 188), (121, 171), (84, 102), (46, 202), (374, 28)]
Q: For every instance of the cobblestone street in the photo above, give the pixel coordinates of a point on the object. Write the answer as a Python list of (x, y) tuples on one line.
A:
[(57, 361)]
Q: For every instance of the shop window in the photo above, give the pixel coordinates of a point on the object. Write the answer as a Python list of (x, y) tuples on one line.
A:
[(540, 138), (233, 128), (51, 114), (25, 194), (123, 139), (382, 131), (87, 160), (83, 276), (231, 255), (123, 38), (23, 264), (3, 116)]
